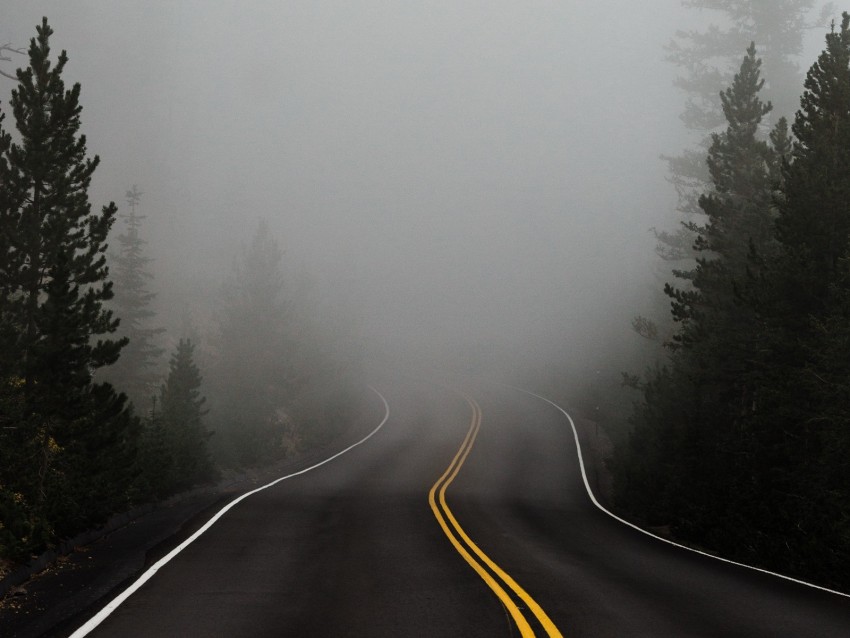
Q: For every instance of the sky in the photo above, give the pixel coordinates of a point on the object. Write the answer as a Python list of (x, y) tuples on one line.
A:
[(468, 175)]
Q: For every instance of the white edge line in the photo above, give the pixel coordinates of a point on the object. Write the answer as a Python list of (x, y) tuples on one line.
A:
[(111, 606), (664, 540)]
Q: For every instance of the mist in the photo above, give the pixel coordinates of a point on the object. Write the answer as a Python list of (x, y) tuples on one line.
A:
[(471, 182)]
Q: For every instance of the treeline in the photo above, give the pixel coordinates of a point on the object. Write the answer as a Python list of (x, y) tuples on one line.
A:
[(741, 441), (91, 421)]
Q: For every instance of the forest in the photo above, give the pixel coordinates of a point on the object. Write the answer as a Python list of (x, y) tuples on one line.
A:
[(94, 419), (740, 440), (732, 421)]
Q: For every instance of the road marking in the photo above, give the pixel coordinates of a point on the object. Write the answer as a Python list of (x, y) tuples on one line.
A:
[(650, 534), (146, 576), (437, 500)]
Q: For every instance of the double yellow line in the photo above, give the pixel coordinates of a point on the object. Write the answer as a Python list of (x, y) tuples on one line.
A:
[(472, 554)]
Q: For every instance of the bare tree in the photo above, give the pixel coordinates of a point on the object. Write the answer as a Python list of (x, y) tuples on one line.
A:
[(5, 56)]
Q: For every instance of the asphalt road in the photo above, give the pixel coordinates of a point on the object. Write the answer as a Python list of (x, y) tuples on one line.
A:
[(353, 548)]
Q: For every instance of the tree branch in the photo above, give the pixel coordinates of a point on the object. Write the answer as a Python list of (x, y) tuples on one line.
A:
[(8, 48)]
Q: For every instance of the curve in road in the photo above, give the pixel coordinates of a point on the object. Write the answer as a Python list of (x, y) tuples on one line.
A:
[(461, 541), (352, 549), (110, 607), (655, 536)]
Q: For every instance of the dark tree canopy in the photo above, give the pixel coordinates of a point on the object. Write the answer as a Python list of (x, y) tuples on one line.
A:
[(758, 386), (54, 281), (708, 60), (739, 209), (181, 414), (68, 451), (814, 220)]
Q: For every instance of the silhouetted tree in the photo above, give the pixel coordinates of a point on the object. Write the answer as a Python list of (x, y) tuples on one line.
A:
[(709, 57), (739, 208), (708, 60), (740, 444), (181, 415), (53, 285), (814, 220), (684, 426), (802, 418)]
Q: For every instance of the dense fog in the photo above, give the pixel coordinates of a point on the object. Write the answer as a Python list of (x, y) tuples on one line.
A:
[(475, 178), (599, 202)]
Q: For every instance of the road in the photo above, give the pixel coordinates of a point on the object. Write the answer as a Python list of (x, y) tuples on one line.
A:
[(356, 547)]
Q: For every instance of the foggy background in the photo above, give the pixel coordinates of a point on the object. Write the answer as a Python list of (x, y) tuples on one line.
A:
[(474, 178)]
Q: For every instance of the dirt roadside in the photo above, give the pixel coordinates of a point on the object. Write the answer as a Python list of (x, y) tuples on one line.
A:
[(59, 598), (56, 599)]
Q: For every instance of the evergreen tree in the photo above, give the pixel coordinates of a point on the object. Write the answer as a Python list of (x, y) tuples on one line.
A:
[(814, 220), (721, 326), (157, 476), (254, 376), (53, 284), (806, 286), (743, 169), (181, 417), (55, 281), (801, 424), (739, 209), (689, 422), (708, 59), (135, 372), (760, 388), (8, 285)]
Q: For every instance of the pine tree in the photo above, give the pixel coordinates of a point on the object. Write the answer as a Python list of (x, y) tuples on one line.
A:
[(708, 59), (739, 209), (8, 286), (53, 285), (689, 422), (254, 370), (56, 282), (814, 221), (181, 415), (760, 389), (802, 424), (135, 372)]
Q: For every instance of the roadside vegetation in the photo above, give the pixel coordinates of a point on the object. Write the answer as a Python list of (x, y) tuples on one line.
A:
[(740, 438), (93, 419), (732, 430)]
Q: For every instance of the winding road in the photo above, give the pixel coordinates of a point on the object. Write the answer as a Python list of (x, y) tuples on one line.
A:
[(465, 514)]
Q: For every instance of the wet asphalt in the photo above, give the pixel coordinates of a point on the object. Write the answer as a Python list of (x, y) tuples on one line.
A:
[(353, 549)]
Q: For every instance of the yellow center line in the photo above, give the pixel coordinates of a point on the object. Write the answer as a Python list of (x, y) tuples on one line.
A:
[(440, 488)]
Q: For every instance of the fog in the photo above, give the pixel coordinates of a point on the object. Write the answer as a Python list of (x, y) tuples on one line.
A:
[(473, 178)]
